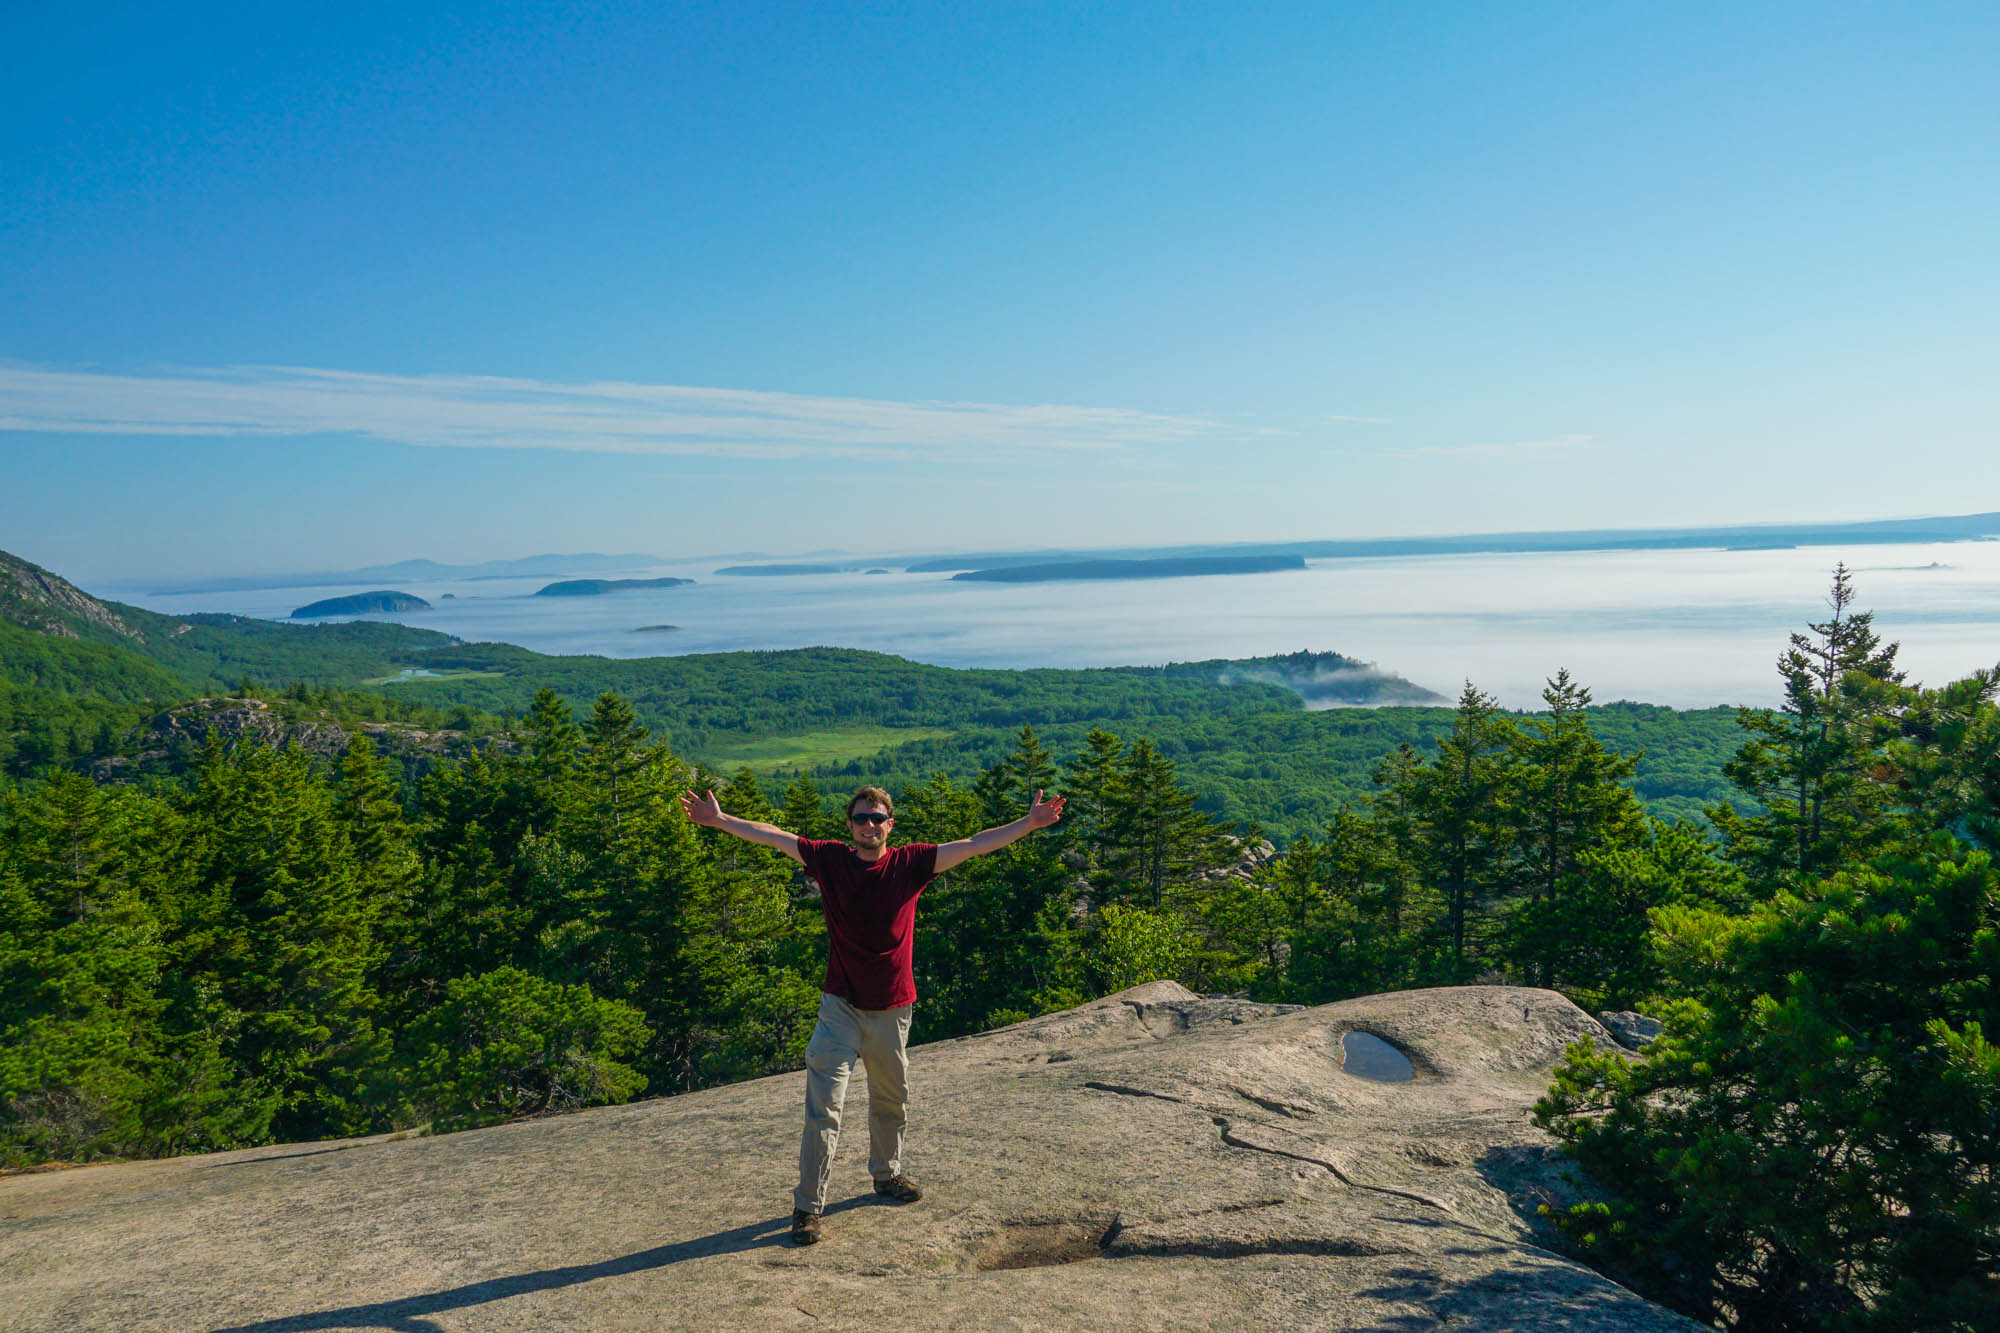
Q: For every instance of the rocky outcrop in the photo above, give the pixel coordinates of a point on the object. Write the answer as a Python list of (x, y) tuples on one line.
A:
[(1154, 1160), (186, 727), (1633, 1030), (41, 601), (1252, 855)]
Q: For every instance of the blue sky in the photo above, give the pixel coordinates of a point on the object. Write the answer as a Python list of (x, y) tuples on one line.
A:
[(285, 290)]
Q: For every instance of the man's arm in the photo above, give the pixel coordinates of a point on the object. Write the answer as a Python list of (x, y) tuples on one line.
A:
[(1040, 814), (707, 811)]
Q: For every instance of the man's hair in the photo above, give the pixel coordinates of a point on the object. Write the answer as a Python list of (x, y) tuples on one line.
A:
[(875, 794)]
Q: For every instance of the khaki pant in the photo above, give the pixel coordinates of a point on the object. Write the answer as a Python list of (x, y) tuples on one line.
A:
[(879, 1038)]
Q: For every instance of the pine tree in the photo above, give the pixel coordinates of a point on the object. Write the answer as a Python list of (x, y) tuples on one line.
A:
[(1812, 1143)]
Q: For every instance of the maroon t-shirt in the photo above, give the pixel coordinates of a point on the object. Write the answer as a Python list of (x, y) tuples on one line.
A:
[(871, 919)]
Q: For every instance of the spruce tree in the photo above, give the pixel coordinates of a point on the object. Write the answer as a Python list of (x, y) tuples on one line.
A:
[(283, 929), (1807, 765), (1158, 840), (1465, 835), (82, 1033), (1570, 799)]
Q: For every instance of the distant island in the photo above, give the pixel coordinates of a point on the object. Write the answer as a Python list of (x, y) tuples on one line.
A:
[(362, 604), (755, 571), (598, 587), (415, 571), (1767, 536), (1321, 680), (656, 629), (1184, 567)]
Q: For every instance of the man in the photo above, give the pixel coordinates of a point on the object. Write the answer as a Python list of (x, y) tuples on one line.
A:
[(868, 891)]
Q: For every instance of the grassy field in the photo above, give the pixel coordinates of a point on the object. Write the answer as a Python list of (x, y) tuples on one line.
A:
[(414, 676), (808, 749)]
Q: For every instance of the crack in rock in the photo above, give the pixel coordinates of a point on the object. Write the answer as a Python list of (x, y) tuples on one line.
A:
[(1130, 1247), (1293, 1110), (1230, 1137), (1124, 1091)]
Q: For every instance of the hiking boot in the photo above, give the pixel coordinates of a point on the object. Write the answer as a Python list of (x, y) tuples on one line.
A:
[(900, 1188), (805, 1227)]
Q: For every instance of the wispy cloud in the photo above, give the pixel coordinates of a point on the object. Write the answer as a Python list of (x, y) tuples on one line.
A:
[(1362, 421), (1513, 451), (490, 412)]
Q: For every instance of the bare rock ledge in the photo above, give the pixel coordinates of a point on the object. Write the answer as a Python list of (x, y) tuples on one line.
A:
[(1153, 1160)]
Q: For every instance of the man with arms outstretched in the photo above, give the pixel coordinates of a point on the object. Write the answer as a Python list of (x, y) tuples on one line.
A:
[(868, 891)]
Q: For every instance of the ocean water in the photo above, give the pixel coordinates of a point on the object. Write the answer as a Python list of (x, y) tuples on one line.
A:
[(1685, 628)]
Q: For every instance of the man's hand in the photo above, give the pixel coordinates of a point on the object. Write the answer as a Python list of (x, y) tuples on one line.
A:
[(1040, 815), (707, 811), (703, 810)]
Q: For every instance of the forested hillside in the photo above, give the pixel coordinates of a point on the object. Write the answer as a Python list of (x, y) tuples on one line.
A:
[(1238, 730)]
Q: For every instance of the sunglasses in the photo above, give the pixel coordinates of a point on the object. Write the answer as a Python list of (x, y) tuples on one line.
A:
[(869, 819)]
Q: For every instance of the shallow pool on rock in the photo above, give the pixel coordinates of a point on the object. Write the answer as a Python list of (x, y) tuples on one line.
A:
[(1365, 1055)]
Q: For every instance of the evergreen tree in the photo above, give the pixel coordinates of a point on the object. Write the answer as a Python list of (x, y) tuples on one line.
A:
[(81, 1036), (803, 810), (1158, 840), (1092, 790), (1571, 800), (280, 924), (506, 1043), (1464, 831), (554, 740), (1812, 1144), (997, 942), (1808, 764), (1032, 769), (475, 912)]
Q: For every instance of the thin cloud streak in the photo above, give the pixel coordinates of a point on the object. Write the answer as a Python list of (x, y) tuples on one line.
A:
[(493, 412), (1514, 451)]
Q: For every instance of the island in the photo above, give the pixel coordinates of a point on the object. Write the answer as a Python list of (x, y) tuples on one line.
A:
[(656, 629), (362, 604), (767, 571), (1184, 567), (598, 587), (1321, 680)]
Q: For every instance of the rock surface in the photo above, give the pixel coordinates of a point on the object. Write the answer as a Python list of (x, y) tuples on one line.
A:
[(1633, 1030), (181, 730), (43, 602), (1152, 1160)]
